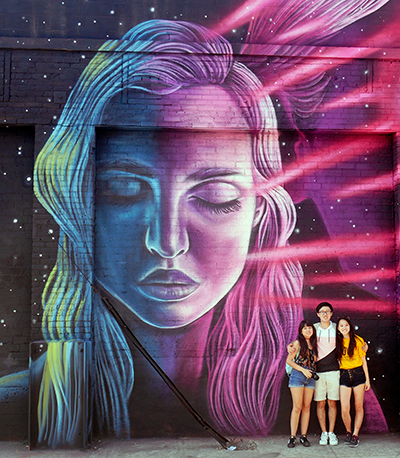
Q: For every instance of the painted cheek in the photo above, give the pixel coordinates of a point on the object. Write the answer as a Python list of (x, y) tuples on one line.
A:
[(214, 254), (119, 237)]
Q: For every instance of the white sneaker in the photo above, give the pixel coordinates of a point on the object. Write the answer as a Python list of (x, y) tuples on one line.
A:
[(324, 439), (333, 440)]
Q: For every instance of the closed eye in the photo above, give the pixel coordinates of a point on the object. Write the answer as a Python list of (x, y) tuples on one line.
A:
[(218, 197), (122, 189), (218, 209)]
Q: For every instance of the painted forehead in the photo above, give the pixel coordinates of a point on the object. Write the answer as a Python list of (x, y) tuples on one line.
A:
[(201, 107), (195, 153)]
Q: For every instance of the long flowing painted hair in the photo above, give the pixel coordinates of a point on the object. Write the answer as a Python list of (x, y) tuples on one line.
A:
[(261, 313)]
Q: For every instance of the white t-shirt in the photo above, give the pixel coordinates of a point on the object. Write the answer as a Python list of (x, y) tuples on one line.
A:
[(326, 341)]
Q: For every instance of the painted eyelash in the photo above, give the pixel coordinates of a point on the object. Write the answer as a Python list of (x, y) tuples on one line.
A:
[(114, 196), (218, 209)]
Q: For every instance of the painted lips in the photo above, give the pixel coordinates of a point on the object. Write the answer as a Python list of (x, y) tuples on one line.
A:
[(168, 285)]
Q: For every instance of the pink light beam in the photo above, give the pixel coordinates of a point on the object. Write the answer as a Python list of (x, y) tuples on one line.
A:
[(344, 246), (322, 159)]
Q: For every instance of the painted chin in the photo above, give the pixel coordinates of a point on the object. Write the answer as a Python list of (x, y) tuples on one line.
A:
[(173, 312)]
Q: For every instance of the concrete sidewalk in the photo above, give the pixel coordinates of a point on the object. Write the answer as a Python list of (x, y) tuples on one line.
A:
[(374, 446)]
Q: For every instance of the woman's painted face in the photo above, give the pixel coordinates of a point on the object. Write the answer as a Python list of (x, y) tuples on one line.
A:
[(175, 208), (307, 331), (343, 327)]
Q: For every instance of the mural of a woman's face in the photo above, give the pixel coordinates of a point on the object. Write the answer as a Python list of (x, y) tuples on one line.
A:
[(175, 208)]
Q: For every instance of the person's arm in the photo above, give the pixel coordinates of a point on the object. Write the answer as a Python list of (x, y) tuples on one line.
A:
[(290, 348), (365, 367), (290, 360), (361, 345), (365, 347)]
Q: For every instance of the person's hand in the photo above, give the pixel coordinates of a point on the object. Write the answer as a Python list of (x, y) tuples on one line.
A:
[(364, 348), (367, 385), (307, 373), (291, 349)]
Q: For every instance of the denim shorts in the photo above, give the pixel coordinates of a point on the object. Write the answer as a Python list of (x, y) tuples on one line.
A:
[(352, 377), (297, 379)]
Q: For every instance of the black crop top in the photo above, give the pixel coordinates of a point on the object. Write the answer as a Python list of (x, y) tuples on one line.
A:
[(307, 362)]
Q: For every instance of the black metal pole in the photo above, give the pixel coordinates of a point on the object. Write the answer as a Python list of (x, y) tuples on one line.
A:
[(217, 436)]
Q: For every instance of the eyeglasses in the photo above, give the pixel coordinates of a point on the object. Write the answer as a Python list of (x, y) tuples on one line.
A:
[(324, 312)]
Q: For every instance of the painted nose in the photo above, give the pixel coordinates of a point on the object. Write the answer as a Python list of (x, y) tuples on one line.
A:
[(167, 235)]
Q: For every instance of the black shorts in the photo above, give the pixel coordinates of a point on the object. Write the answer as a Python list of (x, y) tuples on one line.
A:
[(352, 377)]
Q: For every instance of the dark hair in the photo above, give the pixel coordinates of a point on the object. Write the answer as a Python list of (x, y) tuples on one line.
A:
[(339, 339), (303, 342), (323, 304)]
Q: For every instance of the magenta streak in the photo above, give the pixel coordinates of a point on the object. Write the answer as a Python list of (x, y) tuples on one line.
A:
[(344, 246)]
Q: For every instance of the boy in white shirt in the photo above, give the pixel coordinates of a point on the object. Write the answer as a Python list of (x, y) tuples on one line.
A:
[(327, 387)]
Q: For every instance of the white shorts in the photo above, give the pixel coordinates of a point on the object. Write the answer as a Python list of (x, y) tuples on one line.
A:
[(327, 387)]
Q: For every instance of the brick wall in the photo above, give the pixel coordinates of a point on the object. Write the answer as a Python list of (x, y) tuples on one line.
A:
[(41, 59)]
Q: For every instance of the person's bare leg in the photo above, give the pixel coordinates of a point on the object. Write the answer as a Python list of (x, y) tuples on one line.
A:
[(305, 412), (321, 415), (359, 407), (345, 395), (332, 413), (297, 399)]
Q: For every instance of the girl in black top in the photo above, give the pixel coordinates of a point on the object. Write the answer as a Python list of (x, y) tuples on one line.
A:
[(301, 381)]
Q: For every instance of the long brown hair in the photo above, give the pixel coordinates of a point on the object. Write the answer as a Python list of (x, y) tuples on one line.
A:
[(303, 342), (339, 338)]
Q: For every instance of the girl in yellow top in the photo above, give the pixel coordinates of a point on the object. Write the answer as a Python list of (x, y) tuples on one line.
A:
[(354, 376)]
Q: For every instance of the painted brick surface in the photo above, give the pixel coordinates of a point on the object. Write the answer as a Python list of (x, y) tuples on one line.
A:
[(16, 258), (345, 162)]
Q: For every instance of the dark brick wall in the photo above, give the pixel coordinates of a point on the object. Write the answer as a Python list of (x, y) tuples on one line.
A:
[(16, 193), (16, 246)]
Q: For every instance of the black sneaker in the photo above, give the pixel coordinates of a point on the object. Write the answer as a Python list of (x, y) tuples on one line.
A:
[(292, 442), (347, 439), (304, 440), (354, 441)]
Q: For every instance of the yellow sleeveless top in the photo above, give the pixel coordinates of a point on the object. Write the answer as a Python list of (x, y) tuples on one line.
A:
[(355, 361)]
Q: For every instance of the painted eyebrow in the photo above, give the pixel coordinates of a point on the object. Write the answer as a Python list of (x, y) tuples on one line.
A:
[(205, 174), (125, 166)]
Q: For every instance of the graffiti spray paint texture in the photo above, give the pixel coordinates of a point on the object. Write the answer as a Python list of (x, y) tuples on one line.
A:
[(181, 216), (193, 221)]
